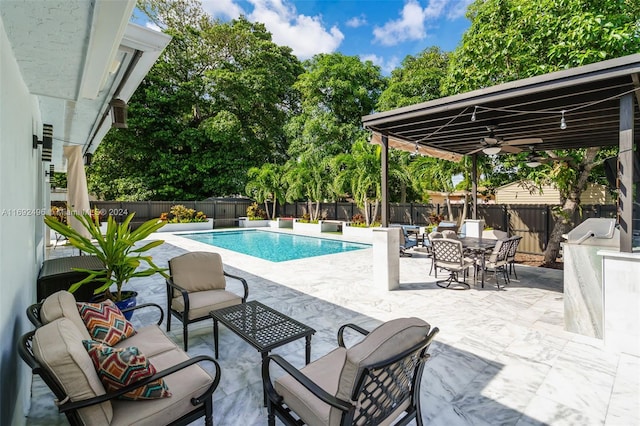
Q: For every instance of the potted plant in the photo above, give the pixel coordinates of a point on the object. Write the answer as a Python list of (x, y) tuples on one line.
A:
[(256, 217), (116, 249), (181, 218)]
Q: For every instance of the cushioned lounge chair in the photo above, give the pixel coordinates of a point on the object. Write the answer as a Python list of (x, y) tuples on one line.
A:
[(376, 381), (196, 287)]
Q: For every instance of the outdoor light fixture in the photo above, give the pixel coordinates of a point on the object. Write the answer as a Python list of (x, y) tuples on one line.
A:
[(52, 170), (119, 113), (491, 150), (47, 142), (563, 124), (87, 159)]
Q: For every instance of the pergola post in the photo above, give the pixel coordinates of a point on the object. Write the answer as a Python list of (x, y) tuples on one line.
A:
[(474, 186), (626, 170), (385, 180)]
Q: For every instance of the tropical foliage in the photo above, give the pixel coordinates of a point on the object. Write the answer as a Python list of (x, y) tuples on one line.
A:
[(118, 249), (226, 111)]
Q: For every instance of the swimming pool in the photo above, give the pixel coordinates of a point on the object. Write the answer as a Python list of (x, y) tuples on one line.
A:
[(274, 246)]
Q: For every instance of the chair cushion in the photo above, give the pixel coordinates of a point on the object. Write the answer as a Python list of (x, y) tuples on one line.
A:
[(198, 271), (325, 372), (105, 322), (184, 385), (452, 235), (203, 302), (57, 346), (120, 367), (62, 304), (387, 340), (151, 341)]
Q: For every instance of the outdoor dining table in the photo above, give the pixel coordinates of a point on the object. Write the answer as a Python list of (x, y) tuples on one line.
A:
[(479, 247)]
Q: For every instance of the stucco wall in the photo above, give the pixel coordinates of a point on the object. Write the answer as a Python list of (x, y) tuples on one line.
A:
[(21, 249)]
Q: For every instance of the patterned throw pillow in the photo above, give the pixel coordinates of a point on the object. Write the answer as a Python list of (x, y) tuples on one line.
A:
[(120, 367), (105, 322)]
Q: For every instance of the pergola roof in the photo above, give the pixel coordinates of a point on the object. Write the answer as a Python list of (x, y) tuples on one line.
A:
[(529, 108)]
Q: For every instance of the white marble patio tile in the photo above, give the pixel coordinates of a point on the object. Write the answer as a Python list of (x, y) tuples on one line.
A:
[(537, 346), (545, 411), (501, 392), (579, 388), (625, 397), (449, 371)]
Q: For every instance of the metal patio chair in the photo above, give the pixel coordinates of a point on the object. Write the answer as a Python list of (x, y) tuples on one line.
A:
[(376, 381), (449, 255), (196, 287)]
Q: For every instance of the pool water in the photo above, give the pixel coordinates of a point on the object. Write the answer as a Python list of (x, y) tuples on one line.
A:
[(274, 246)]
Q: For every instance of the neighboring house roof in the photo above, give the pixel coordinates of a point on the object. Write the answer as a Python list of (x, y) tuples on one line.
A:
[(76, 57), (519, 193)]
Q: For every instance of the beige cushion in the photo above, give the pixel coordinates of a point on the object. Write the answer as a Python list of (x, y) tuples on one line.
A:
[(325, 372), (198, 271), (449, 234), (390, 338), (184, 385), (494, 234), (58, 347), (150, 340), (62, 304), (202, 302)]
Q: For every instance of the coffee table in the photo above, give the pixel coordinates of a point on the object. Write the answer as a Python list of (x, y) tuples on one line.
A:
[(262, 327)]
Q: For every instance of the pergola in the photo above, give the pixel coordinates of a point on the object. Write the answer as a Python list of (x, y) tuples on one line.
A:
[(582, 107)]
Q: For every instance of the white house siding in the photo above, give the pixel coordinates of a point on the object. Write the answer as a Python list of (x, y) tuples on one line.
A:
[(21, 249), (514, 193)]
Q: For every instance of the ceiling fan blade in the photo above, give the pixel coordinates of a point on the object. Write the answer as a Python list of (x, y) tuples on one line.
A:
[(476, 150), (510, 149), (491, 140), (525, 141)]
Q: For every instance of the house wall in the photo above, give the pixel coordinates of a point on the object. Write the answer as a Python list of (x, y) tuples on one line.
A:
[(21, 230), (516, 194)]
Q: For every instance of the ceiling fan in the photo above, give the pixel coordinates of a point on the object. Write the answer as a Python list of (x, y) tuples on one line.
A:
[(535, 160), (492, 144)]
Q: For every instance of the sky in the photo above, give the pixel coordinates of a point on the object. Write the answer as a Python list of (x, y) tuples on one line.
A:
[(382, 31)]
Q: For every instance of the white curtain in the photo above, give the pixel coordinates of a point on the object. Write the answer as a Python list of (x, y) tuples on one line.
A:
[(77, 192)]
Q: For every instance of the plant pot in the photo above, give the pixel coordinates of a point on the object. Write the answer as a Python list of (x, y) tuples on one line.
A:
[(129, 300)]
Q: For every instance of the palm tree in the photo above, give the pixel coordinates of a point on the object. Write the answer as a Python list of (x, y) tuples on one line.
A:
[(265, 184), (358, 173), (308, 177)]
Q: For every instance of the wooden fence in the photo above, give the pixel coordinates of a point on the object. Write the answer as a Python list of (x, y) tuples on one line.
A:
[(533, 223)]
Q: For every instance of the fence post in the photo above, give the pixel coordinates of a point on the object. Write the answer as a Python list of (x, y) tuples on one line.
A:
[(546, 214), (505, 218)]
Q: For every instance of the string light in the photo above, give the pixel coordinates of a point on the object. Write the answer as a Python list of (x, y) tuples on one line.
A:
[(473, 116), (563, 124)]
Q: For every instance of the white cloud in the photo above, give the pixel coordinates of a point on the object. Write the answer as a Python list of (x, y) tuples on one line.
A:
[(306, 35), (222, 9), (410, 26), (434, 9), (385, 65), (459, 9), (357, 21)]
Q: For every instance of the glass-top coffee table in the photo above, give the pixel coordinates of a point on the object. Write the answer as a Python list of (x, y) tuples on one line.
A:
[(262, 327)]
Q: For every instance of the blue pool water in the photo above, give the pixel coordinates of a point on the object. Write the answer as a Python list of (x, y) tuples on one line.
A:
[(274, 246)]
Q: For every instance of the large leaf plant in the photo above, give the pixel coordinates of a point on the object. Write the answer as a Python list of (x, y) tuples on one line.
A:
[(116, 248)]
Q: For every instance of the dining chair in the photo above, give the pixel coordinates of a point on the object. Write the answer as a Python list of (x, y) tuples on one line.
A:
[(426, 242), (448, 254), (514, 242), (497, 260)]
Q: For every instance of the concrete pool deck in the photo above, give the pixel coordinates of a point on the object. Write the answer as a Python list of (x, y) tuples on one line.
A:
[(501, 357)]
